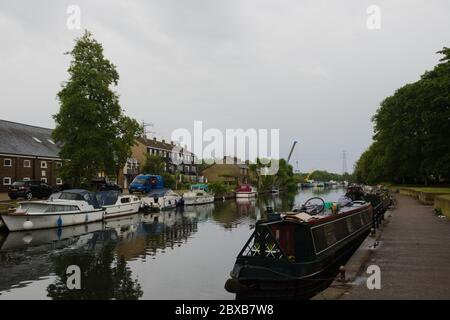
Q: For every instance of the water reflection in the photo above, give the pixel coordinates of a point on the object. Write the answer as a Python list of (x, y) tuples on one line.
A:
[(139, 256)]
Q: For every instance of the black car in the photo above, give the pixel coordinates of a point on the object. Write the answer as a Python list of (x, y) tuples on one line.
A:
[(29, 189), (102, 184)]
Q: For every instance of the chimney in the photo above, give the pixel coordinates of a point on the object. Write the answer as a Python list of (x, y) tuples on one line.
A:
[(163, 141)]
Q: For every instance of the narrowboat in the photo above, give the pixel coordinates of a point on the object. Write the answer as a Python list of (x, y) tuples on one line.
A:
[(297, 254), (66, 208), (246, 191)]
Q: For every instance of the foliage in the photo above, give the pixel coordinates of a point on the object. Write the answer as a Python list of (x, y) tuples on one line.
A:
[(219, 188), (412, 130), (284, 178), (154, 164), (90, 126)]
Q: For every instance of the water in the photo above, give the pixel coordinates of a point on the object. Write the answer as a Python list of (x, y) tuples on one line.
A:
[(167, 255)]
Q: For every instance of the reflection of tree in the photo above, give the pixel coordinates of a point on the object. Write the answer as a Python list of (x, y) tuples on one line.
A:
[(103, 276), (161, 236)]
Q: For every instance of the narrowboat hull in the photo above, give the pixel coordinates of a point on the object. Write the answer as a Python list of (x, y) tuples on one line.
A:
[(298, 255), (273, 285), (15, 222)]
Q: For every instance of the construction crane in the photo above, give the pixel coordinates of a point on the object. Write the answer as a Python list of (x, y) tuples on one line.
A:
[(292, 149)]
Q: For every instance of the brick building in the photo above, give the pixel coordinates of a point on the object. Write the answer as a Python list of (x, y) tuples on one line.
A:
[(231, 171), (27, 152), (184, 164)]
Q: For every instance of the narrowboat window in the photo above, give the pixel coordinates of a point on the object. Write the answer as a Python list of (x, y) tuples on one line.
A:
[(349, 225), (330, 233)]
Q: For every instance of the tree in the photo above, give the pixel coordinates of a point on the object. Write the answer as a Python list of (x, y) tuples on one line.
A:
[(154, 164), (411, 132), (94, 133)]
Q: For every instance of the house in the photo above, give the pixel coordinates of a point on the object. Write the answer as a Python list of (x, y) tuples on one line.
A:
[(27, 152), (231, 171), (178, 160)]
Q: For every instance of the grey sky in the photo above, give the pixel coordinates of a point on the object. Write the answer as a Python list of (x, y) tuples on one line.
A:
[(310, 68)]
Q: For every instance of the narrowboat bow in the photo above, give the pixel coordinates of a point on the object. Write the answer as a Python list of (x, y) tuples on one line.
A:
[(297, 254)]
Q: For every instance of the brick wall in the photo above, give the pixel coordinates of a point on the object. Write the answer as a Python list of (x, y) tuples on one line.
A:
[(28, 167)]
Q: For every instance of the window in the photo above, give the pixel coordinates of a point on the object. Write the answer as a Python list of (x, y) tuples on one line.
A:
[(26, 179), (27, 163), (58, 181), (6, 181), (59, 165), (43, 164), (7, 162), (44, 180), (37, 140), (125, 200), (43, 173)]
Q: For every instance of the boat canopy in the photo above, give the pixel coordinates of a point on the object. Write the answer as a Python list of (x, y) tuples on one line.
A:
[(76, 195), (244, 188), (107, 198), (157, 193), (199, 186)]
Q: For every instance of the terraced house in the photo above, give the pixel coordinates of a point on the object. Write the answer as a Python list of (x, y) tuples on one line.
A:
[(27, 152)]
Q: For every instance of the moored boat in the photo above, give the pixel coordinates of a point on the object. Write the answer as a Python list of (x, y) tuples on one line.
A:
[(66, 208), (116, 205), (275, 190), (161, 199), (294, 254), (246, 191), (198, 194)]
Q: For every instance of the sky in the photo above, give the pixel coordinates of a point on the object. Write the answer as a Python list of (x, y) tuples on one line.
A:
[(312, 69)]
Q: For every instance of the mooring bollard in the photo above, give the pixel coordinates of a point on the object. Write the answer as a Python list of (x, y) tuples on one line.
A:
[(372, 232), (342, 273)]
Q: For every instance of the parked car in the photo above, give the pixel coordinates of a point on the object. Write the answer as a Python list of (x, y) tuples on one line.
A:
[(108, 186), (29, 189), (102, 184)]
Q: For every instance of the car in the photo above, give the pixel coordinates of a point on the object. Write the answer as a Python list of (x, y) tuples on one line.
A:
[(110, 186), (102, 184), (144, 183), (29, 189)]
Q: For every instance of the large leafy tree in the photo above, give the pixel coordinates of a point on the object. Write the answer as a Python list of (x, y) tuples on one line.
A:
[(412, 132), (94, 133)]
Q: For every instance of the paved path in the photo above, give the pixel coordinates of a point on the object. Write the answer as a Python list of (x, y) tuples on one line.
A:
[(4, 196), (414, 256)]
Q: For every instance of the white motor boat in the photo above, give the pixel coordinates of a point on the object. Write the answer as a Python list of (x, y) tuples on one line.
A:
[(198, 195), (161, 199), (246, 191), (66, 208), (116, 205)]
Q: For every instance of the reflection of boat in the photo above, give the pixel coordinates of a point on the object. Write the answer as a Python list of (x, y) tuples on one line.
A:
[(198, 195), (246, 191), (275, 190), (290, 254), (160, 199), (117, 205), (69, 207), (21, 239)]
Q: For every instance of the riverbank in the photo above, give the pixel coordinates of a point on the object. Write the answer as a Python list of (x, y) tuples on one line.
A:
[(413, 254), (439, 198)]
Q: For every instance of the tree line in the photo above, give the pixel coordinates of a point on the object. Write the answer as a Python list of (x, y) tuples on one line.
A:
[(411, 141)]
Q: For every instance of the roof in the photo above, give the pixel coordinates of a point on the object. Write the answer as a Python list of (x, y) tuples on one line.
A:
[(163, 145), (24, 139)]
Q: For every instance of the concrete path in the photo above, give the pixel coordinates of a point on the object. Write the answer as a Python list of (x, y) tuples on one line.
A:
[(4, 196), (414, 256)]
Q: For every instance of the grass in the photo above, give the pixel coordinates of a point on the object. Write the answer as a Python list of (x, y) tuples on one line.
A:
[(435, 190), (446, 197)]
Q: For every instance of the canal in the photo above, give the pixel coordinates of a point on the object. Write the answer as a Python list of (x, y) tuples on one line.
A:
[(168, 255)]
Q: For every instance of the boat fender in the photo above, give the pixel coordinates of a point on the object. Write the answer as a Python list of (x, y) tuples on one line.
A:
[(27, 225), (27, 238), (234, 286)]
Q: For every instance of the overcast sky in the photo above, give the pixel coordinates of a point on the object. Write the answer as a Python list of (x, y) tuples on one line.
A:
[(309, 68)]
